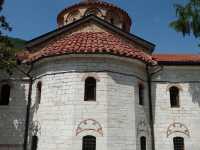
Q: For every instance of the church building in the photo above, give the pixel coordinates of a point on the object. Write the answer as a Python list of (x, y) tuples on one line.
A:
[(91, 84)]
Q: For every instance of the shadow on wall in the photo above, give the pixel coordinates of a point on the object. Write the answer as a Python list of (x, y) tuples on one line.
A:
[(153, 92), (12, 118), (119, 103), (194, 90)]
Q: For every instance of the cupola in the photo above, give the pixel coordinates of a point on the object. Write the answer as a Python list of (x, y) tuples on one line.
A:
[(104, 10)]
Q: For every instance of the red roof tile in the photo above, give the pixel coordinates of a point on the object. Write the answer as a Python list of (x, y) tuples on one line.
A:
[(89, 42), (177, 58)]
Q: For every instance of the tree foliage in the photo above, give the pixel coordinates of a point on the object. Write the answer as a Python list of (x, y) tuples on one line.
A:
[(188, 18), (7, 50)]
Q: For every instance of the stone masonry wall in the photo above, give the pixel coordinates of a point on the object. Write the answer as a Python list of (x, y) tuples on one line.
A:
[(63, 117), (184, 121), (12, 116)]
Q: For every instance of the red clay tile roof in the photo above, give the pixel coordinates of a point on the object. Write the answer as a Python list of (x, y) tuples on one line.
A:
[(88, 43), (177, 58)]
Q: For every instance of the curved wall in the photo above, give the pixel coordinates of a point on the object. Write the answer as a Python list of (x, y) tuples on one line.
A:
[(115, 118)]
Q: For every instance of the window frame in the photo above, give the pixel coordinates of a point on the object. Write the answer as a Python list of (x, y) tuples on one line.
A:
[(174, 93), (4, 102), (89, 139), (143, 146), (39, 92), (90, 89), (141, 94), (176, 145)]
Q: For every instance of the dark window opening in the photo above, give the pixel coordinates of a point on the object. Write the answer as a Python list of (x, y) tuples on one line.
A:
[(178, 143), (124, 27), (112, 21), (174, 96), (90, 89), (34, 142), (141, 94), (89, 143), (5, 95), (143, 143), (38, 93), (92, 12)]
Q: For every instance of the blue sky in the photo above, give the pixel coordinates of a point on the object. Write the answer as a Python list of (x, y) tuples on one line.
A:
[(31, 18)]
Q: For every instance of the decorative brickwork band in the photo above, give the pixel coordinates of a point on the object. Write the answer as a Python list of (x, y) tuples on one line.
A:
[(89, 125)]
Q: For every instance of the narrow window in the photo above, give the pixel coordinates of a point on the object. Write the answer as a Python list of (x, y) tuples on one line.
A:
[(174, 96), (38, 92), (178, 143), (90, 89), (141, 94), (34, 142), (5, 95), (89, 143), (112, 21), (143, 143), (123, 26)]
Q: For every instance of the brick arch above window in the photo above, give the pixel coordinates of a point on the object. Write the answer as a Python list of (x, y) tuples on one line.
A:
[(89, 125), (177, 128)]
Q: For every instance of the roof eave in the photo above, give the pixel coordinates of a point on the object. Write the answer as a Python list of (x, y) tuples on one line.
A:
[(178, 63), (58, 31)]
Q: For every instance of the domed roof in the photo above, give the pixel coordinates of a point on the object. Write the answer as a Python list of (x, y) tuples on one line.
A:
[(98, 4)]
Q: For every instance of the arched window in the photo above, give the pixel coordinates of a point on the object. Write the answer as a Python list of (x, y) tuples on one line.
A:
[(124, 26), (143, 143), (90, 89), (113, 17), (174, 96), (34, 142), (73, 16), (38, 92), (93, 11), (5, 95), (178, 143), (89, 143), (141, 94)]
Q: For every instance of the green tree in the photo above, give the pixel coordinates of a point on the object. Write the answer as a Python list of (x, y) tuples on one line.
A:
[(7, 50), (188, 18)]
